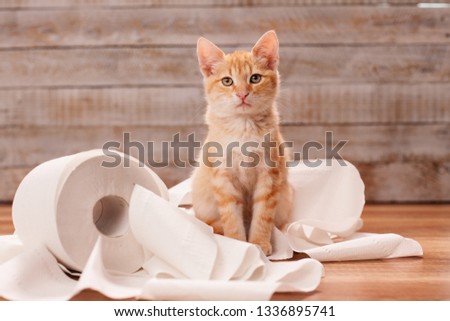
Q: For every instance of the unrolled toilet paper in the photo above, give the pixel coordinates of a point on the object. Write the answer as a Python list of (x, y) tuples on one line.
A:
[(328, 202), (123, 233), (116, 227)]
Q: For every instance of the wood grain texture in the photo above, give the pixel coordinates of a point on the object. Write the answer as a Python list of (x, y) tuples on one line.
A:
[(426, 278), (406, 181), (233, 25), (365, 103), (22, 147), (102, 106), (179, 66), (197, 3), (401, 163), (377, 143), (77, 73), (171, 106)]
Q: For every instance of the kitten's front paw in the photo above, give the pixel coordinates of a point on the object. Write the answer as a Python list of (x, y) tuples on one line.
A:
[(266, 247)]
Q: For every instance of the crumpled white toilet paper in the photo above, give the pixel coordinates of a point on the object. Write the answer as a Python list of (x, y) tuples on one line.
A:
[(328, 203), (116, 227), (134, 243)]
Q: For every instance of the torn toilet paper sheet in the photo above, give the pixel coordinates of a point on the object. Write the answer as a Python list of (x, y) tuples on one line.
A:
[(367, 246), (116, 226)]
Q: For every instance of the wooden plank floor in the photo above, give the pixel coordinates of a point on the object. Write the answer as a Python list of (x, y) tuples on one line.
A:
[(426, 278)]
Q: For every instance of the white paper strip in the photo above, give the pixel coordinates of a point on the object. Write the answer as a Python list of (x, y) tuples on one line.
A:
[(367, 246), (175, 237)]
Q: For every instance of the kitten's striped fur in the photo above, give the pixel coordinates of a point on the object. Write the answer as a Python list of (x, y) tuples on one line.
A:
[(242, 202)]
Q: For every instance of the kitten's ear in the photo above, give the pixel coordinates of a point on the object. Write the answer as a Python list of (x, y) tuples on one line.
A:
[(208, 55), (266, 49)]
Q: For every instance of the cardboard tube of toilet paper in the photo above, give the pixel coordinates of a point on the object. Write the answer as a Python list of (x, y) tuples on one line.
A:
[(85, 196)]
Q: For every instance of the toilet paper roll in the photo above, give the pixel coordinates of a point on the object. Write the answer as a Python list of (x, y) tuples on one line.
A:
[(84, 199)]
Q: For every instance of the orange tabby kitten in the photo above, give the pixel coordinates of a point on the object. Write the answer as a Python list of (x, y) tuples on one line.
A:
[(242, 202)]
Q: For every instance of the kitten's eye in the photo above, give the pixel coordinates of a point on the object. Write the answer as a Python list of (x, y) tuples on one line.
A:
[(255, 78), (227, 81)]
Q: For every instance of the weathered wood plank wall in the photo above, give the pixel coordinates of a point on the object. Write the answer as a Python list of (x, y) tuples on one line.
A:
[(77, 73)]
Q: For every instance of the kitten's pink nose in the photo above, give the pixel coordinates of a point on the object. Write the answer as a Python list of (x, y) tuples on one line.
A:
[(242, 94)]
